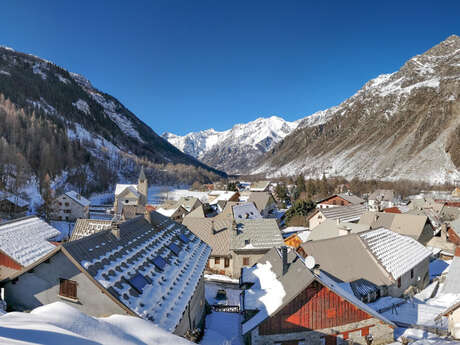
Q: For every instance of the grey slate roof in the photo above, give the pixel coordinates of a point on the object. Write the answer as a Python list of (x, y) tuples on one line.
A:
[(87, 227), (260, 199), (452, 284), (256, 234), (349, 213), (196, 213), (259, 186), (382, 195), (330, 229), (405, 224), (114, 259), (351, 198), (246, 211), (216, 233)]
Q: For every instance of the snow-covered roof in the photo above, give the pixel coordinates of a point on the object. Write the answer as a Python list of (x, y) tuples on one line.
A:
[(119, 188), (221, 195), (78, 198), (344, 213), (14, 199), (61, 323), (168, 212), (152, 266), (397, 253), (25, 240)]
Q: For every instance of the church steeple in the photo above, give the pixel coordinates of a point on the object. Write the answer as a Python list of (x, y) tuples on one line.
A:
[(142, 177), (142, 186)]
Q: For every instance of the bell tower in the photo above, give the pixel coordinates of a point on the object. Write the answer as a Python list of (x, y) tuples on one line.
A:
[(142, 187)]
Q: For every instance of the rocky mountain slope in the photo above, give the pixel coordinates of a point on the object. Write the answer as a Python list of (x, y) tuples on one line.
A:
[(400, 125), (81, 127), (234, 150)]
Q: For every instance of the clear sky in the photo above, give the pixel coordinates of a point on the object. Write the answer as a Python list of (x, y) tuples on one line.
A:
[(183, 66)]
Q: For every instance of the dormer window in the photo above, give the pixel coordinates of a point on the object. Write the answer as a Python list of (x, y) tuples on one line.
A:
[(247, 242)]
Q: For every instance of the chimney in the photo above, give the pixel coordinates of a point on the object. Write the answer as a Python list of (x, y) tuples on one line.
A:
[(115, 229), (284, 255), (147, 216), (444, 231)]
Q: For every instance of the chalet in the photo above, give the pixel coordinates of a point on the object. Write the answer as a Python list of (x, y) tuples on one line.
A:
[(12, 205), (264, 202), (344, 199), (24, 241), (335, 228), (70, 206), (131, 194), (235, 243), (260, 186), (351, 213), (375, 263), (287, 301), (381, 199), (416, 226), (148, 266)]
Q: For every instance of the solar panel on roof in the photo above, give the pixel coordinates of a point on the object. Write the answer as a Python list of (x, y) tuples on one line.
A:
[(159, 262), (138, 282), (174, 248), (184, 238)]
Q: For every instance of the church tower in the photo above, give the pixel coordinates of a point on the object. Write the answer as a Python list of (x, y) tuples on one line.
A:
[(142, 187)]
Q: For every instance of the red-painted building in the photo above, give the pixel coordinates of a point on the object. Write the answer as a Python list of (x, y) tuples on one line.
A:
[(303, 306), (344, 199)]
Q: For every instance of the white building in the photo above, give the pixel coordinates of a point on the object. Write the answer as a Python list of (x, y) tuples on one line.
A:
[(70, 206)]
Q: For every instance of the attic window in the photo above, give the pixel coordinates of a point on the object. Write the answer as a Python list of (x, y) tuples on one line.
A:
[(138, 282), (174, 248), (184, 238), (68, 288), (247, 242), (159, 262)]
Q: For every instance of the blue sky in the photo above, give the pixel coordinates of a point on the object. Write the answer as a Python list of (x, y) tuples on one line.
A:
[(183, 66)]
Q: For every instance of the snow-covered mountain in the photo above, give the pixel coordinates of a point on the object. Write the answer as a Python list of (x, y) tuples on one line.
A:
[(400, 125), (234, 150)]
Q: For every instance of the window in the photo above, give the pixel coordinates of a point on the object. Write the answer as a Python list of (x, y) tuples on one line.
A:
[(216, 261), (342, 203), (174, 248), (184, 238), (138, 282), (411, 273), (226, 262), (247, 242), (67, 211), (399, 282), (68, 288), (126, 201), (60, 203), (159, 262), (67, 204), (334, 202), (245, 261)]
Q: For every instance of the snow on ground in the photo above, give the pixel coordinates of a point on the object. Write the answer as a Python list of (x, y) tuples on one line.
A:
[(222, 329), (59, 323), (233, 294), (159, 194), (220, 278), (420, 337)]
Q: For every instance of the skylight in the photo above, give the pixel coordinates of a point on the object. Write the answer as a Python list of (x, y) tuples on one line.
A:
[(159, 262), (174, 248), (184, 238), (138, 282)]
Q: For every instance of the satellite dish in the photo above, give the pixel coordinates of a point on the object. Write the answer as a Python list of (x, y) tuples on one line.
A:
[(310, 262)]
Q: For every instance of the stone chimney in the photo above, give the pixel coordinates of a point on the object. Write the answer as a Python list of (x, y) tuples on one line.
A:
[(284, 255), (444, 231), (316, 270), (147, 216), (115, 229)]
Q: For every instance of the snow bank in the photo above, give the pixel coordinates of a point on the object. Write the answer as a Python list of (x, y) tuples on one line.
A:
[(222, 329), (59, 323)]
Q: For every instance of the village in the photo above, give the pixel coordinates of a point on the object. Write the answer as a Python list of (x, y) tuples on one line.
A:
[(238, 263)]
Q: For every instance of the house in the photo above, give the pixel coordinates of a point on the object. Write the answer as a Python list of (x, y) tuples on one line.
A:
[(131, 194), (343, 199), (416, 226), (335, 228), (176, 214), (375, 263), (286, 302), (23, 242), (70, 206), (264, 202), (148, 266), (12, 205), (87, 227), (259, 186), (351, 213), (235, 243), (216, 196), (381, 199)]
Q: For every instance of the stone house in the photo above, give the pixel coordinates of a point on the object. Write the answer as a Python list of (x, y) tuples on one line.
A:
[(70, 206), (288, 301), (148, 266), (374, 263), (24, 241), (131, 194), (381, 199), (342, 199), (235, 243), (350, 214)]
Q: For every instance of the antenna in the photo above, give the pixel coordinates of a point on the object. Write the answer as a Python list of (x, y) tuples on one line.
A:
[(310, 262)]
